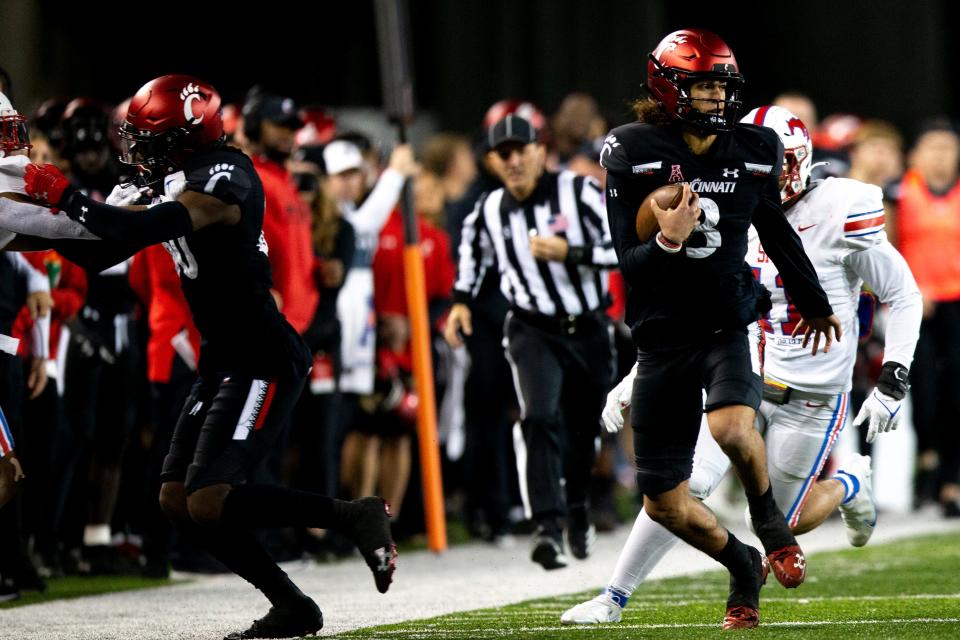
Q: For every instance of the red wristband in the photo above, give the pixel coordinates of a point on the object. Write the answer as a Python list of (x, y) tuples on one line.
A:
[(668, 245)]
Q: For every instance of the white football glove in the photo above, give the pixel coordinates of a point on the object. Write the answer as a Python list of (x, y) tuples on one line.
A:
[(174, 184), (880, 412), (124, 195), (617, 401)]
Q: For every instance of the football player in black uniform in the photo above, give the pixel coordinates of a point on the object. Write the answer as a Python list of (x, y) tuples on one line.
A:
[(691, 297), (252, 363)]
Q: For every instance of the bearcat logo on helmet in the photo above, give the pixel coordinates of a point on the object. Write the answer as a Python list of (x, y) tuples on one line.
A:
[(189, 95), (169, 119)]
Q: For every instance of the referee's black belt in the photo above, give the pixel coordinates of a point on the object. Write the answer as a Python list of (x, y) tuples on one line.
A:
[(567, 325)]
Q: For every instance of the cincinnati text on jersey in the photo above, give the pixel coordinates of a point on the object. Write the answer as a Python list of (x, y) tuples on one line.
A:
[(703, 186)]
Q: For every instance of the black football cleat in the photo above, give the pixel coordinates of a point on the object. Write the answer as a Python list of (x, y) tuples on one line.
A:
[(743, 604), (547, 550), (581, 541), (302, 619), (369, 528)]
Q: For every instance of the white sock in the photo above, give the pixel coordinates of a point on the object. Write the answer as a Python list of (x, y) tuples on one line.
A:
[(646, 545), (851, 485), (96, 534)]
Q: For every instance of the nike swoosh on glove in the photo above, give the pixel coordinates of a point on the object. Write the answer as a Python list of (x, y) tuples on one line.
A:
[(617, 401), (881, 413), (46, 184)]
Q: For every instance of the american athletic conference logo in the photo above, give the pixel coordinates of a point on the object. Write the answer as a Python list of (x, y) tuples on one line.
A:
[(675, 174), (189, 95)]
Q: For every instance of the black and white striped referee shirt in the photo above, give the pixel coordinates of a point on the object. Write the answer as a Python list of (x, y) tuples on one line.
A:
[(499, 229)]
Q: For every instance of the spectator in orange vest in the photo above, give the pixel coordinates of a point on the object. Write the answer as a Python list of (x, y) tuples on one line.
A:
[(926, 204)]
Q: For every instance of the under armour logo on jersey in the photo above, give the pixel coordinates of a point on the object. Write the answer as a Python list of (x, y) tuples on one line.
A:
[(189, 95), (731, 173), (217, 172), (83, 214), (675, 174)]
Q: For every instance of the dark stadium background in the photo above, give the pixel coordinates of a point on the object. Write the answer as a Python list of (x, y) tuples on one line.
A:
[(886, 58)]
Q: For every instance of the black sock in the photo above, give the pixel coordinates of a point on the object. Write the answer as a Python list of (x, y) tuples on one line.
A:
[(769, 522), (763, 507), (550, 525), (735, 556), (240, 551), (252, 506)]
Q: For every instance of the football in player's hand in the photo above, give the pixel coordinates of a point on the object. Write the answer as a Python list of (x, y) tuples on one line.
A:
[(667, 197)]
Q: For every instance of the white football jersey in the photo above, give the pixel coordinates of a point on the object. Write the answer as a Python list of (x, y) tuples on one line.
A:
[(835, 219)]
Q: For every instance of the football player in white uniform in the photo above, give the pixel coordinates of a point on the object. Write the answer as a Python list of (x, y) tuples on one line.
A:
[(805, 401)]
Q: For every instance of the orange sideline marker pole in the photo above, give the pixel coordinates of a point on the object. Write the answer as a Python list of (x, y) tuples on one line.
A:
[(426, 401)]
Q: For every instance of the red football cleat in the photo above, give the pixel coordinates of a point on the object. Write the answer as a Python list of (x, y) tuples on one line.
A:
[(741, 617), (789, 566)]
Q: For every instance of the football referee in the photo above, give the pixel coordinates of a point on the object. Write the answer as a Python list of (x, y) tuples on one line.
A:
[(547, 232)]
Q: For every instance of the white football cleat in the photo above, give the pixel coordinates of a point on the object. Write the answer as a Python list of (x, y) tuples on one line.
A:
[(600, 610), (860, 514)]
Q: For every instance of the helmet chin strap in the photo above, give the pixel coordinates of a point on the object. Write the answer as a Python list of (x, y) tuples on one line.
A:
[(823, 163)]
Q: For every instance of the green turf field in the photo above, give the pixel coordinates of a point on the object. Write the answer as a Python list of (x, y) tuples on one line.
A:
[(908, 589), (76, 587)]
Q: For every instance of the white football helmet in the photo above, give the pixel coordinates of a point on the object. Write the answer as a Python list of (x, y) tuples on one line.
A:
[(797, 147), (13, 128)]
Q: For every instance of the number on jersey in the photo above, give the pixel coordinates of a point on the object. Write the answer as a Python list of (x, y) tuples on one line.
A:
[(793, 315), (183, 258)]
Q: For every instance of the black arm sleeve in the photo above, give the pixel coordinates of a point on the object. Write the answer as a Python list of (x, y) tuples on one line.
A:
[(783, 245), (638, 260), (94, 255), (159, 223)]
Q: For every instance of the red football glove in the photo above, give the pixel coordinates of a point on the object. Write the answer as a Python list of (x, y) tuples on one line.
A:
[(45, 184)]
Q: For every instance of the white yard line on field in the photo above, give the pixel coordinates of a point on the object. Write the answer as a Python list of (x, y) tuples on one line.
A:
[(467, 577)]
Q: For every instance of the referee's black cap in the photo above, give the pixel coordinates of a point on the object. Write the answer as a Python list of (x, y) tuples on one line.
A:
[(511, 128)]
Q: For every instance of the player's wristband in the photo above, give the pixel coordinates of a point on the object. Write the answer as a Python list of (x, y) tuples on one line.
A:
[(894, 380), (668, 245)]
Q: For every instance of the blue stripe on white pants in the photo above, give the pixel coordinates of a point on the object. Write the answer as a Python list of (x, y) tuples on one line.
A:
[(829, 438)]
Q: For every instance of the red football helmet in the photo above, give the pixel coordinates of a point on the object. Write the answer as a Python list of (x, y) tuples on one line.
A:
[(169, 119), (837, 132), (688, 56), (13, 129), (319, 127)]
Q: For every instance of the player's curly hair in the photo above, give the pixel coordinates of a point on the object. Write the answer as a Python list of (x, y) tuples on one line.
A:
[(648, 110)]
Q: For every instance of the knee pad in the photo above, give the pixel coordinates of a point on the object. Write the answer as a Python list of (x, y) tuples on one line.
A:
[(702, 484)]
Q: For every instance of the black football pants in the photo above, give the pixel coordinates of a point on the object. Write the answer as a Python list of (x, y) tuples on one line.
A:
[(562, 381)]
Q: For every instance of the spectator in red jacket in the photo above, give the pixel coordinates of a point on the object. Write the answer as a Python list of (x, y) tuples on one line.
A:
[(380, 448), (270, 124), (48, 431), (172, 352)]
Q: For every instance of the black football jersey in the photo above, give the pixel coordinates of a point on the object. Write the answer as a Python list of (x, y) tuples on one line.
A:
[(706, 287), (225, 274)]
